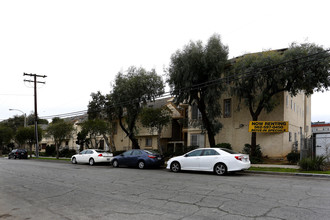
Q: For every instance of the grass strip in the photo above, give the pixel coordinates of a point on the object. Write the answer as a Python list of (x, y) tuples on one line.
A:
[(50, 158)]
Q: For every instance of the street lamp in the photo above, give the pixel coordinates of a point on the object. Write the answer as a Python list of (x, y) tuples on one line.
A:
[(11, 109)]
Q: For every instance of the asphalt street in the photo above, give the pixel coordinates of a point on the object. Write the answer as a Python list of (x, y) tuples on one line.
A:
[(34, 189)]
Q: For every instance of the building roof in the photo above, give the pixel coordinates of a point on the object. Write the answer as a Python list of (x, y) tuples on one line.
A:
[(320, 124)]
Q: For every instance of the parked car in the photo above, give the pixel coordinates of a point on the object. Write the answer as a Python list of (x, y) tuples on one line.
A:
[(18, 153), (138, 158), (92, 156), (217, 160)]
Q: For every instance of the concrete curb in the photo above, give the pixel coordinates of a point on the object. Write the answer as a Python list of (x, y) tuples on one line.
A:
[(289, 174)]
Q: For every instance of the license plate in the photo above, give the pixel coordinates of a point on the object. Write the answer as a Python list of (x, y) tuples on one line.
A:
[(108, 158), (159, 158)]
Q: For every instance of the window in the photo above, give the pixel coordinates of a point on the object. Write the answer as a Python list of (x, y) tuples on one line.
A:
[(194, 153), (137, 153), (294, 107), (227, 108), (195, 113), (197, 140), (290, 136), (295, 136), (148, 142), (210, 152), (291, 104), (127, 153), (101, 144), (287, 101), (114, 127), (194, 140)]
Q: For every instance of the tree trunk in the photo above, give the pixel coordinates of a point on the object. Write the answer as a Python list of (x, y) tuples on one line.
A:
[(254, 138), (30, 145), (207, 124), (57, 151), (158, 142), (135, 143), (112, 145)]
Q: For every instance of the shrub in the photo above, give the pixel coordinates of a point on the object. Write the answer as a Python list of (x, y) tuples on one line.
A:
[(66, 152), (224, 145), (317, 163), (257, 158), (293, 157), (50, 151)]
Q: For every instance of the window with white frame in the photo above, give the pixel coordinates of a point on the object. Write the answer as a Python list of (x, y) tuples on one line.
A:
[(197, 140)]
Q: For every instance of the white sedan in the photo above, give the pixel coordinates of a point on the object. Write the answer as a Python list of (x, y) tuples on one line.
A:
[(217, 160), (92, 156)]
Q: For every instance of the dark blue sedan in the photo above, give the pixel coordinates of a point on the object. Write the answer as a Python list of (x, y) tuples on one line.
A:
[(138, 158)]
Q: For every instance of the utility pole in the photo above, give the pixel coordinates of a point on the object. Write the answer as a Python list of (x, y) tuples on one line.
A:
[(35, 106)]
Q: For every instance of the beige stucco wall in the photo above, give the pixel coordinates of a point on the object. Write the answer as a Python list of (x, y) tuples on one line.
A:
[(235, 128)]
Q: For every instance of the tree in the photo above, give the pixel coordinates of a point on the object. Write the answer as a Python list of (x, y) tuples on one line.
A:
[(15, 122), (155, 119), (302, 67), (26, 135), (30, 120), (101, 108), (6, 134), (190, 72), (60, 130), (130, 92), (82, 139), (95, 128)]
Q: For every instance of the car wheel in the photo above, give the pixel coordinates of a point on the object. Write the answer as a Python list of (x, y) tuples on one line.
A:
[(115, 163), (91, 162), (220, 169), (74, 160), (141, 164), (175, 167)]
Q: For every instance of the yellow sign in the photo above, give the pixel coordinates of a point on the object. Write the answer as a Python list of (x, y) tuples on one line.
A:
[(269, 126)]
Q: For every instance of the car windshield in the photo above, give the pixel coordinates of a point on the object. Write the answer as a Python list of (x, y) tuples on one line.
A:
[(101, 151), (229, 151)]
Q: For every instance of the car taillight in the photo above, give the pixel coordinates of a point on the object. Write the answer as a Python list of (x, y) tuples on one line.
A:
[(239, 158), (151, 156), (100, 155)]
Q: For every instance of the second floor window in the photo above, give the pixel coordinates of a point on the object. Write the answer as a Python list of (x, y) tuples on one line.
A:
[(195, 113), (227, 108)]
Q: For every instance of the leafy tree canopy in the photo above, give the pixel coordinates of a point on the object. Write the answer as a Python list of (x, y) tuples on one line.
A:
[(130, 91), (191, 73), (259, 77)]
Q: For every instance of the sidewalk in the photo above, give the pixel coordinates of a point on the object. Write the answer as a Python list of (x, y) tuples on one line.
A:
[(285, 173), (277, 166)]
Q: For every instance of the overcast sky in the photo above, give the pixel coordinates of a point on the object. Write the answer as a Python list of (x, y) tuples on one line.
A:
[(81, 45)]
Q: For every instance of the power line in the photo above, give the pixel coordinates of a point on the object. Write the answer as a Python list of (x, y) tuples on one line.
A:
[(249, 73)]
